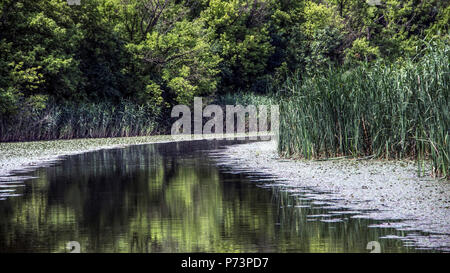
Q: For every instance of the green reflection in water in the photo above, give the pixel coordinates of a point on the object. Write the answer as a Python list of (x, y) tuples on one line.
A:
[(166, 198)]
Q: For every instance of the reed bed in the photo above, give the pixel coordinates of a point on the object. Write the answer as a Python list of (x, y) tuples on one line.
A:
[(392, 111), (81, 120)]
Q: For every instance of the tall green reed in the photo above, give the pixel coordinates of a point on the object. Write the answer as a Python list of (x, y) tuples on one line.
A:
[(383, 110), (81, 120)]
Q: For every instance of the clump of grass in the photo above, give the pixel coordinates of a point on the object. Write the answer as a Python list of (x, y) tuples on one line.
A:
[(80, 120), (383, 110)]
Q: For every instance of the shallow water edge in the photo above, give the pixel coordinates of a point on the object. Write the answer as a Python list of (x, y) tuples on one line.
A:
[(378, 190)]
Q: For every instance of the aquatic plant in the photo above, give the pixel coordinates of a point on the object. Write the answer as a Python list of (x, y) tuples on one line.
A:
[(81, 120), (382, 110)]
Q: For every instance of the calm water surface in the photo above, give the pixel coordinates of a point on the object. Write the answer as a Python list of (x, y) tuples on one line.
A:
[(169, 198)]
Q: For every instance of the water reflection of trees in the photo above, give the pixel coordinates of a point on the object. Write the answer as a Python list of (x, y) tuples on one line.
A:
[(150, 199)]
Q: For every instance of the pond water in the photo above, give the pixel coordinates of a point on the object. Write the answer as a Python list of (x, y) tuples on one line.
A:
[(170, 197)]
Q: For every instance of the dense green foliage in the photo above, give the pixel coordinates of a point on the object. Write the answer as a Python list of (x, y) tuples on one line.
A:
[(161, 52)]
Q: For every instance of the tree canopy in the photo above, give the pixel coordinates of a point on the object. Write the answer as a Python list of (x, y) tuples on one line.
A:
[(164, 52)]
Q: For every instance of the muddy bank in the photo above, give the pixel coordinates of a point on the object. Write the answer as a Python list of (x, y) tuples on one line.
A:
[(377, 189)]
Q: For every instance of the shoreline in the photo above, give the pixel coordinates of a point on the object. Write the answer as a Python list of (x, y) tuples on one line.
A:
[(23, 157), (378, 190)]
